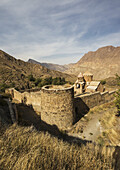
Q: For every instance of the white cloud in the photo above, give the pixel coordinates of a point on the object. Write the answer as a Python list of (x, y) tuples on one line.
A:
[(43, 29)]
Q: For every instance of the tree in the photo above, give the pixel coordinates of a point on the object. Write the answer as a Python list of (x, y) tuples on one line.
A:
[(37, 81), (48, 80), (31, 78), (103, 82), (43, 83), (117, 100), (3, 86)]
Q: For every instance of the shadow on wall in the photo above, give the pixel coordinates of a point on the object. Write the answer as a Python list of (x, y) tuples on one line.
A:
[(80, 108), (116, 157), (27, 117)]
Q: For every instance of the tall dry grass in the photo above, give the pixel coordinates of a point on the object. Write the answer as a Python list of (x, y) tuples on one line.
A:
[(24, 148)]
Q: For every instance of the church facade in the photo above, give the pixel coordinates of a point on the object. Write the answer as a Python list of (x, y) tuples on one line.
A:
[(85, 83)]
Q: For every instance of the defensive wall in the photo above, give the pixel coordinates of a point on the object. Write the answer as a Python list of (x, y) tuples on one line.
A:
[(29, 98), (58, 105), (83, 103)]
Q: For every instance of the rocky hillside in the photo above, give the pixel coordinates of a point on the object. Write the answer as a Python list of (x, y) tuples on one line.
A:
[(50, 65), (103, 63), (16, 71)]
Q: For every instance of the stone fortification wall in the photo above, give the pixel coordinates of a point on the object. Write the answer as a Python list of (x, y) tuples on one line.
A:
[(29, 98), (57, 106), (18, 96), (84, 102), (34, 99)]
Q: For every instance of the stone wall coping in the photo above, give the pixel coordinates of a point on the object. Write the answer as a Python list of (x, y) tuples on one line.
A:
[(86, 95), (111, 92), (55, 89), (91, 94), (104, 92)]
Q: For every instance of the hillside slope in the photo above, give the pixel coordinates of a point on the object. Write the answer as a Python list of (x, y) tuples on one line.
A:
[(13, 70), (50, 65), (26, 148), (103, 63)]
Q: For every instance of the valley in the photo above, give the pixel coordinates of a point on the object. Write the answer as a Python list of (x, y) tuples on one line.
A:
[(52, 121)]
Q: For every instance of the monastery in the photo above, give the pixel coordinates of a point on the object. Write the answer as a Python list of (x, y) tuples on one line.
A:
[(85, 83), (64, 105)]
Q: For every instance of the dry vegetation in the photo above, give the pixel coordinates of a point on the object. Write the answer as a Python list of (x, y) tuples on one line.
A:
[(111, 124), (26, 148), (15, 72)]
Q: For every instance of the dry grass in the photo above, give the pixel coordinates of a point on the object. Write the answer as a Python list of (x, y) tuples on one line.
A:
[(111, 124), (24, 148)]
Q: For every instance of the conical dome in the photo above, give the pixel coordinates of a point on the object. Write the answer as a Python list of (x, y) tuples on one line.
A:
[(80, 75)]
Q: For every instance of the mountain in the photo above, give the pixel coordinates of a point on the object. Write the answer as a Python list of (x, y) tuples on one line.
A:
[(103, 63), (17, 71), (50, 65)]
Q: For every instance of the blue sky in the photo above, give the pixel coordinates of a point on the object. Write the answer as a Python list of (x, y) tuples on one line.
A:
[(58, 31)]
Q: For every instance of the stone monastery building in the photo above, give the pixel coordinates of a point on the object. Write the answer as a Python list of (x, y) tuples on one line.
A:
[(85, 83)]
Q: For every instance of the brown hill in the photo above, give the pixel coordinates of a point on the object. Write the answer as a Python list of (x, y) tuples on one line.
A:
[(103, 63), (13, 70), (50, 66)]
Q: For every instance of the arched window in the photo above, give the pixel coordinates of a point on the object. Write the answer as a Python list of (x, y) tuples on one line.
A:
[(78, 85)]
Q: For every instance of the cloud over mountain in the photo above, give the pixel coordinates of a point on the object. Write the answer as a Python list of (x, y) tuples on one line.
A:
[(58, 31)]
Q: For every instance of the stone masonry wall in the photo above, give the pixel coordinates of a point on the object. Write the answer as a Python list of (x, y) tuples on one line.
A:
[(57, 106), (34, 99), (84, 102), (29, 98)]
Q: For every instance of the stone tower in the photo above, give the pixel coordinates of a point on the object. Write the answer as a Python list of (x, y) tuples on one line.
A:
[(88, 77), (79, 84), (80, 77), (57, 106)]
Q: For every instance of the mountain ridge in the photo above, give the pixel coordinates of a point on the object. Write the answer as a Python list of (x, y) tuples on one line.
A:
[(103, 63), (17, 71), (51, 66)]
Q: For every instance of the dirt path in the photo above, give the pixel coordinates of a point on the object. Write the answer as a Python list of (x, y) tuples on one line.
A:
[(94, 127)]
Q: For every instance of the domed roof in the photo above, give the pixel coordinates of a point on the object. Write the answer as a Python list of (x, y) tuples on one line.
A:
[(80, 75), (87, 73)]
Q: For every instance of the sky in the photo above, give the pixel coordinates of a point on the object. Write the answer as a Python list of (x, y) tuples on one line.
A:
[(58, 31)]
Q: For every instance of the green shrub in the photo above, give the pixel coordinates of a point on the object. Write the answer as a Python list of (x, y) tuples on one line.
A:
[(31, 78), (48, 81), (103, 82), (37, 81), (3, 86), (12, 84), (104, 134), (58, 81)]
